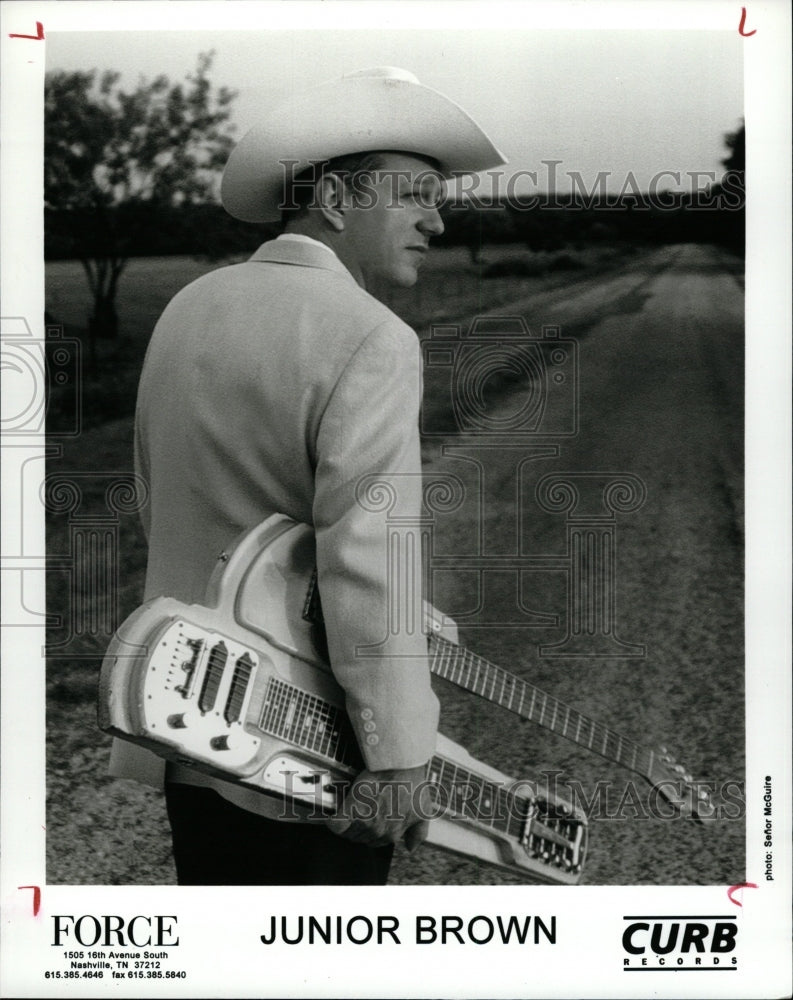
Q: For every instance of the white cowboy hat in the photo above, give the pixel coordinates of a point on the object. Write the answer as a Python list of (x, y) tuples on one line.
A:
[(376, 109)]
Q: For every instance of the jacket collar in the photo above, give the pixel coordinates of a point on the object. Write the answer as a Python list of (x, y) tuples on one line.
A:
[(300, 254)]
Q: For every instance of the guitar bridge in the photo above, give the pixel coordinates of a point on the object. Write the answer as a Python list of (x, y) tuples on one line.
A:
[(189, 667), (554, 836)]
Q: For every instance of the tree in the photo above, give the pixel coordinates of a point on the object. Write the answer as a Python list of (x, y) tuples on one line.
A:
[(119, 163), (736, 143)]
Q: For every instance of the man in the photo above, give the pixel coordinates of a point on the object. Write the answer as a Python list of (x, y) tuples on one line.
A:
[(282, 385)]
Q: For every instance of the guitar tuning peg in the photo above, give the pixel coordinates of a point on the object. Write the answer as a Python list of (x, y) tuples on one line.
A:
[(662, 749), (702, 795), (679, 769), (687, 778)]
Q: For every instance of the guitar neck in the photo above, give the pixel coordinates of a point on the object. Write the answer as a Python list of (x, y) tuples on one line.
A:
[(478, 675)]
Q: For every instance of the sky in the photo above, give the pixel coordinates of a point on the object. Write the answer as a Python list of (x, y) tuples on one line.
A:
[(625, 100)]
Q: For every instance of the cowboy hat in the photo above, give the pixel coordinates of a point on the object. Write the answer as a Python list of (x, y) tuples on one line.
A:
[(377, 109)]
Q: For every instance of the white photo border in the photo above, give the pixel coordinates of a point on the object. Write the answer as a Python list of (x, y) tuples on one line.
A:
[(220, 928)]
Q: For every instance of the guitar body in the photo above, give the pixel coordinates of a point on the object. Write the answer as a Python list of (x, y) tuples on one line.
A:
[(240, 689)]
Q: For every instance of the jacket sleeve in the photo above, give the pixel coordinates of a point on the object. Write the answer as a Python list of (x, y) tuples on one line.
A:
[(367, 508)]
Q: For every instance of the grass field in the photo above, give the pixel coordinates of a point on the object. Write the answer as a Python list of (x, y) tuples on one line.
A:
[(450, 287), (100, 830), (449, 284)]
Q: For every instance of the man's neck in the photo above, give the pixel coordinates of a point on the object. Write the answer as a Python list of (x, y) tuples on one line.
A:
[(329, 239), (312, 241)]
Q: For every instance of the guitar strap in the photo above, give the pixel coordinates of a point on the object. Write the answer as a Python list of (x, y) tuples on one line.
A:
[(312, 607)]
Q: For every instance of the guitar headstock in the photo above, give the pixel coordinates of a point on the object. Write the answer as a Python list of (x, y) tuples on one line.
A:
[(675, 784)]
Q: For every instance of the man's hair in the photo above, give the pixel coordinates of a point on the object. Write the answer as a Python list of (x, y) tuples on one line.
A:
[(351, 167)]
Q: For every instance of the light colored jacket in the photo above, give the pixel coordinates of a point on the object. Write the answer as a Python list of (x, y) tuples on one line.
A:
[(277, 386)]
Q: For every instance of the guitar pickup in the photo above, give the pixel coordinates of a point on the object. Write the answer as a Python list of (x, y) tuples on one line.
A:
[(213, 676), (238, 688)]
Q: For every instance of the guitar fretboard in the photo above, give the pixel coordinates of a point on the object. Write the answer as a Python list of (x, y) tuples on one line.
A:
[(309, 722), (478, 675)]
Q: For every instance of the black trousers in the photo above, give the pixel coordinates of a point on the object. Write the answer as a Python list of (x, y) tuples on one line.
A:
[(217, 843)]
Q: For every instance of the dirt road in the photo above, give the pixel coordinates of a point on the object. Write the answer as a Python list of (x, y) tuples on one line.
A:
[(642, 468)]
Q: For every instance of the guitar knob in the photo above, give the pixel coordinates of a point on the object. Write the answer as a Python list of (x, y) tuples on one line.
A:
[(219, 743), (177, 721)]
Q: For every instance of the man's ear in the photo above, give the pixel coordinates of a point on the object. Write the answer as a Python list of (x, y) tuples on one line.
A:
[(332, 200)]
